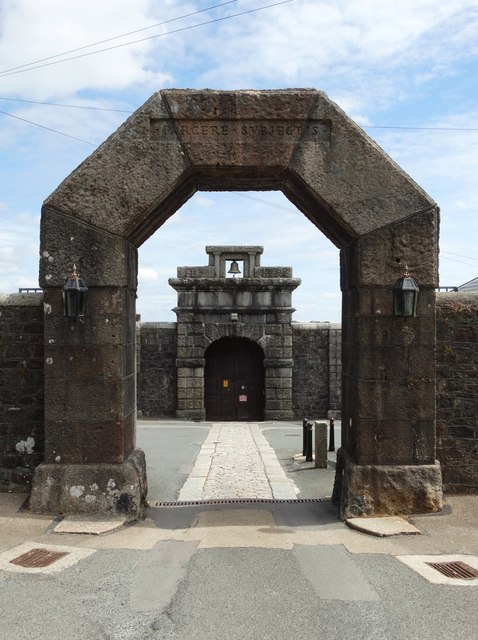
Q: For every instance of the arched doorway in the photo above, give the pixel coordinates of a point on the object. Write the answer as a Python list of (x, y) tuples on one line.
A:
[(234, 380), (183, 141)]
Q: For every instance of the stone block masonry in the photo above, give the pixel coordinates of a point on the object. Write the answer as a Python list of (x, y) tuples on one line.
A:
[(157, 371), (457, 391), (21, 389), (316, 383), (310, 375), (316, 373)]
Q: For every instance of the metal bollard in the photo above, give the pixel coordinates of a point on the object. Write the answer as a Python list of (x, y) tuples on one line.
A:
[(308, 447), (331, 435), (304, 435)]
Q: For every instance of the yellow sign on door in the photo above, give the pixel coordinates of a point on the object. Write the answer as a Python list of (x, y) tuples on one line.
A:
[(225, 384)]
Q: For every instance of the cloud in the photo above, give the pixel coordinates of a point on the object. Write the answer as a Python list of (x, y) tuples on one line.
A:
[(414, 66), (29, 28), (147, 274), (348, 48)]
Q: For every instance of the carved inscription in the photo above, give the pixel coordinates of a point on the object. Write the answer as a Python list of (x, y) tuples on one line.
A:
[(236, 131)]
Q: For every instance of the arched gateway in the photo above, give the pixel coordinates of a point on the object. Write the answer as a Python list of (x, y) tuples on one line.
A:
[(182, 141), (234, 380)]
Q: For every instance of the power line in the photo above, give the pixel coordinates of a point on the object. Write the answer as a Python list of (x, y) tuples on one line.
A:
[(270, 204), (69, 106), (72, 106), (470, 264), (67, 135), (123, 35), (159, 35), (459, 255), (371, 126), (368, 126)]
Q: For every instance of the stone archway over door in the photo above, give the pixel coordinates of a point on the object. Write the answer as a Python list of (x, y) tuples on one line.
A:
[(234, 380), (182, 141)]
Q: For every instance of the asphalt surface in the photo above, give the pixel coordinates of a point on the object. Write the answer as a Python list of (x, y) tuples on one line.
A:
[(171, 447), (236, 571)]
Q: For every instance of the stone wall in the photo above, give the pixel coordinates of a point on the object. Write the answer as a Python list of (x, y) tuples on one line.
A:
[(316, 383), (157, 373), (457, 390), (310, 374), (21, 389), (316, 351)]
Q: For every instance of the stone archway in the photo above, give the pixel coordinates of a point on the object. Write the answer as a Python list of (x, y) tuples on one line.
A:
[(182, 141)]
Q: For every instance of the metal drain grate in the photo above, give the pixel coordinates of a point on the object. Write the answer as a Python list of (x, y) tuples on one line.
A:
[(194, 503), (458, 570), (36, 558)]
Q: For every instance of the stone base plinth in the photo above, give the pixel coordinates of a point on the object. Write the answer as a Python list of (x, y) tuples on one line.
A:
[(368, 489), (197, 415), (91, 489), (276, 414)]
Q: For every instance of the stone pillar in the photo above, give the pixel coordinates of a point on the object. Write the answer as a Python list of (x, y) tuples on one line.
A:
[(278, 389), (190, 367), (90, 381), (388, 414), (278, 365)]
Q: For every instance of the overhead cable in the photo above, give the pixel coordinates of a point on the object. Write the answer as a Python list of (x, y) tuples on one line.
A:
[(123, 35), (128, 111), (159, 35), (48, 128), (68, 106)]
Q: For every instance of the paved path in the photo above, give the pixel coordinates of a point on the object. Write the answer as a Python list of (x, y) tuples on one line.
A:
[(236, 461), (268, 571)]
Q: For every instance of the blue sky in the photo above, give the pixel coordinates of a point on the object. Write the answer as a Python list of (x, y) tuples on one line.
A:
[(405, 70)]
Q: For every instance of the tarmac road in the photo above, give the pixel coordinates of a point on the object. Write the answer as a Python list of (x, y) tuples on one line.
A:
[(236, 571)]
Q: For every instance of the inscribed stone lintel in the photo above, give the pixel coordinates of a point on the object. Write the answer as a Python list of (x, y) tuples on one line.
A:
[(241, 131)]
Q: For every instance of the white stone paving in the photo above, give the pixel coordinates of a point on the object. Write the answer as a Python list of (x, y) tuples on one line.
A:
[(236, 461)]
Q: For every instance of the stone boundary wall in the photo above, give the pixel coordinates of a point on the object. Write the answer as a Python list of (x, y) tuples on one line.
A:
[(457, 390), (21, 389), (156, 367), (316, 351), (317, 357), (312, 353)]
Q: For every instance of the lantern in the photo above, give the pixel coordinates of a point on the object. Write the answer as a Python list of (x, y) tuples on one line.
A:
[(405, 295), (74, 296)]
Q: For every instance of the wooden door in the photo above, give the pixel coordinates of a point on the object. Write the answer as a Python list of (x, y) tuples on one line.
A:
[(234, 381)]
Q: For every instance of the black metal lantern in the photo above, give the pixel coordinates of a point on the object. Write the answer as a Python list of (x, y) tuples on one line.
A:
[(75, 293), (405, 295)]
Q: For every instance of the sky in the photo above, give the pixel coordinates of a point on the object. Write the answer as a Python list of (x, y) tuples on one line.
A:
[(71, 72)]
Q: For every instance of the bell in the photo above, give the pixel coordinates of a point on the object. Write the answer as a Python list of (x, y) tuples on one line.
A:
[(234, 268)]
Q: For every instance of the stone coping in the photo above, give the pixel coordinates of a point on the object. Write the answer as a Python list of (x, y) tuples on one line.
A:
[(33, 299), (316, 325)]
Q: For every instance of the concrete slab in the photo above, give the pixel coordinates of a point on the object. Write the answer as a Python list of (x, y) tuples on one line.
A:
[(88, 525), (167, 560), (14, 530), (382, 527), (244, 528)]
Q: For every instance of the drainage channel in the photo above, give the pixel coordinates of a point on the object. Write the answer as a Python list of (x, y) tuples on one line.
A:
[(194, 503)]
